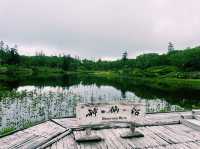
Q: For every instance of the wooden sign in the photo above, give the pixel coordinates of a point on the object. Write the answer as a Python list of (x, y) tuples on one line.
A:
[(104, 112)]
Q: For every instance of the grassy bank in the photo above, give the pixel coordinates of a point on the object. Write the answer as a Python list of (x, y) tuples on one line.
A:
[(173, 84), (24, 71), (166, 82), (11, 129)]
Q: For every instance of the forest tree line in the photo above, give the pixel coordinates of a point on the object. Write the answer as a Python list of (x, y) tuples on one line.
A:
[(187, 59)]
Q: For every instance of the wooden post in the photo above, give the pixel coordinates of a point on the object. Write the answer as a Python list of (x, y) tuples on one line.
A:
[(88, 131), (132, 127)]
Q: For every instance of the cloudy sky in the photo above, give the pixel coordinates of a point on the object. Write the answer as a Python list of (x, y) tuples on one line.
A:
[(99, 28)]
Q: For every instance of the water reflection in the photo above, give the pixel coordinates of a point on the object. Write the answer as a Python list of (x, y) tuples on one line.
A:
[(38, 104)]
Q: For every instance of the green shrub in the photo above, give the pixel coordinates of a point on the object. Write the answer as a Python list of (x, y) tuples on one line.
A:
[(7, 130)]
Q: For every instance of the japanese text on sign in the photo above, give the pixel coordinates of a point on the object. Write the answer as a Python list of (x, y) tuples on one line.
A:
[(92, 113)]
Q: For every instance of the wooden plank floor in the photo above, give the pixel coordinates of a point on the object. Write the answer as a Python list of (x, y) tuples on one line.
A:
[(149, 119), (156, 137), (32, 137)]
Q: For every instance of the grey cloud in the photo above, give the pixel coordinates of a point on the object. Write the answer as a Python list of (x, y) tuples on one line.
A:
[(99, 28)]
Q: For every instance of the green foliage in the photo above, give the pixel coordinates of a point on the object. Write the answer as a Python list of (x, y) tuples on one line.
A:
[(3, 70), (151, 64), (13, 70), (6, 131), (9, 55), (150, 60), (187, 59), (69, 63), (105, 74), (162, 70), (138, 72)]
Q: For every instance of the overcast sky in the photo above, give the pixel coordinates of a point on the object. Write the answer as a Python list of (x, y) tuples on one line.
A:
[(99, 28)]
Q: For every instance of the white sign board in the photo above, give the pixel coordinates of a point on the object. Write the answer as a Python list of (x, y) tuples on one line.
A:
[(104, 112)]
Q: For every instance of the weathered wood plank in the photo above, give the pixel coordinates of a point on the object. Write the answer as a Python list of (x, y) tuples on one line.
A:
[(57, 139), (174, 135), (32, 137), (127, 143), (192, 123), (107, 140), (169, 136), (149, 119)]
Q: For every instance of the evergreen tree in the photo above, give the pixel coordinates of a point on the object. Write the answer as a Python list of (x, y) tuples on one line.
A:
[(170, 47), (124, 56), (14, 57), (66, 62)]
